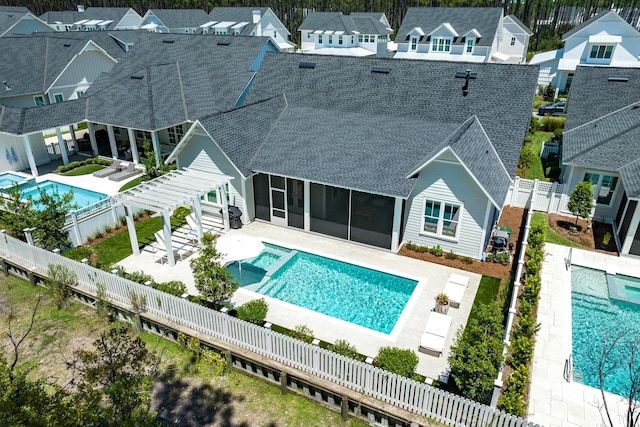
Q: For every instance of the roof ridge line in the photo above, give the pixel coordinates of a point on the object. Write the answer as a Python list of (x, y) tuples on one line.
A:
[(46, 60), (152, 117), (602, 117), (184, 101), (492, 147), (604, 141), (273, 124)]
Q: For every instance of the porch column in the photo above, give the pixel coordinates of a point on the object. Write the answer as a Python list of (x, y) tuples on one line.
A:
[(225, 208), (131, 226), (397, 220), (631, 231), (155, 142), (166, 229), (197, 211), (92, 138), (134, 146), (32, 161), (63, 147), (72, 131), (112, 142), (307, 206)]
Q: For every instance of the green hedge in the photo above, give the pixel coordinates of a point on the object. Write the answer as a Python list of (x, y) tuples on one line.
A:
[(91, 161)]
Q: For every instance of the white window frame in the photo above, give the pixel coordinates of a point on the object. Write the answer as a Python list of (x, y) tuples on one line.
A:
[(513, 41), (217, 193), (319, 38), (330, 39), (79, 94), (340, 40), (440, 225), (413, 43), (56, 95), (598, 186), (441, 44), (38, 100), (469, 44), (601, 49)]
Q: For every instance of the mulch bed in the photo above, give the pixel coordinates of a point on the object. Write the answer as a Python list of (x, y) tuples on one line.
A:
[(592, 240)]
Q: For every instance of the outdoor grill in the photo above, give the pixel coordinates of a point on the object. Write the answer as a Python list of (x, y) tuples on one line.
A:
[(234, 217), (499, 241)]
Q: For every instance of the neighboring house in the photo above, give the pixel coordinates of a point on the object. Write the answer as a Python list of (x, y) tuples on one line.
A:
[(604, 40), (55, 70), (19, 20), (179, 21), (470, 34), (93, 19), (154, 94), (357, 34), (312, 148), (248, 21), (115, 43), (601, 144)]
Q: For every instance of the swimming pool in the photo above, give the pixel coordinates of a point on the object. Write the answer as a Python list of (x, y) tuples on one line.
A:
[(81, 197), (7, 179), (598, 320), (358, 295)]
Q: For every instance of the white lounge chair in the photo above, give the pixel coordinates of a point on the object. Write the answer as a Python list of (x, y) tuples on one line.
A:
[(193, 225), (128, 172), (454, 289), (181, 251), (115, 167), (435, 334)]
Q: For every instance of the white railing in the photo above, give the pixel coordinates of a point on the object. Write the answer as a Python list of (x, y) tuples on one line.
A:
[(88, 210), (402, 392)]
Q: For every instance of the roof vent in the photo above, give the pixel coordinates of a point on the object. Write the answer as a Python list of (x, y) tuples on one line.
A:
[(6, 85), (168, 41), (617, 79), (137, 76), (381, 70), (307, 65), (223, 43), (67, 45)]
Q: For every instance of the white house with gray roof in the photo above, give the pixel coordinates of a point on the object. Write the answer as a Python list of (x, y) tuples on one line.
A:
[(468, 34), (179, 21), (604, 40), (602, 145), (248, 21), (356, 34), (93, 19), (19, 20), (312, 149)]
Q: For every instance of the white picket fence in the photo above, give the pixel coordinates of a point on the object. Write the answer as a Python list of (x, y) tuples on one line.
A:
[(548, 195), (402, 392)]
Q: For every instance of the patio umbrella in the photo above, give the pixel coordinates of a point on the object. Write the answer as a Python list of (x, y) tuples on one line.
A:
[(239, 247)]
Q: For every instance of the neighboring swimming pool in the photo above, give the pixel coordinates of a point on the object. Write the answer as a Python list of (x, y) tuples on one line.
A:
[(604, 308), (7, 179), (81, 197), (358, 295)]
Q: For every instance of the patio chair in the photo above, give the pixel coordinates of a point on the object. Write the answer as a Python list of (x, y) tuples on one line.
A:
[(115, 167), (125, 173), (454, 289), (193, 225), (435, 334), (181, 251)]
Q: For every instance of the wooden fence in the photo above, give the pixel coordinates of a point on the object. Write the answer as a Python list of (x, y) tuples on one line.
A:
[(410, 395)]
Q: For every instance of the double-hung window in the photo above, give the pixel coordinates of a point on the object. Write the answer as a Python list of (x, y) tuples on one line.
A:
[(414, 43), (330, 39), (441, 218), (469, 43), (319, 38), (513, 41)]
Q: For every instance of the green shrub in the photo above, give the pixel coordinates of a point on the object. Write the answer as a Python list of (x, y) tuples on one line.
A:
[(181, 213), (397, 360), (489, 257), (253, 311), (59, 280), (550, 124), (422, 249), (466, 260), (173, 287), (344, 348), (74, 165), (503, 258), (411, 246), (451, 255), (534, 126), (527, 157), (214, 362), (436, 250), (512, 398), (557, 135), (521, 351), (302, 333)]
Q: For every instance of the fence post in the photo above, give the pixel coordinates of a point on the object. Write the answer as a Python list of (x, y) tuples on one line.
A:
[(229, 359), (76, 226), (552, 196), (514, 193), (344, 408), (283, 382), (28, 235)]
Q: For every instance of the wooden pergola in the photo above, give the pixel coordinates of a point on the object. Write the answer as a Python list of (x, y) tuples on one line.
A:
[(166, 193)]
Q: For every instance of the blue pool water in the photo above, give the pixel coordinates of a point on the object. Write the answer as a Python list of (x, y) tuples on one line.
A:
[(597, 322), (81, 196), (358, 295), (7, 179)]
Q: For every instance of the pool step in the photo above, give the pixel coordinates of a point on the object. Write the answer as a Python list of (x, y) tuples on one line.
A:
[(282, 261), (594, 303)]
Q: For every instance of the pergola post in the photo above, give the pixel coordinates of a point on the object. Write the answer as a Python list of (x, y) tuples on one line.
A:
[(166, 228), (134, 146), (155, 142), (197, 210), (131, 226), (63, 147)]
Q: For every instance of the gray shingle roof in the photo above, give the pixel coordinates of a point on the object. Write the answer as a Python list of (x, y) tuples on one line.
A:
[(607, 135), (463, 19), (111, 41), (520, 24), (423, 90), (10, 16), (181, 18), (237, 14), (363, 23), (114, 14)]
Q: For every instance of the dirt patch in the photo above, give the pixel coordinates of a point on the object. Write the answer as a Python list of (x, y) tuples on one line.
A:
[(567, 227), (510, 218)]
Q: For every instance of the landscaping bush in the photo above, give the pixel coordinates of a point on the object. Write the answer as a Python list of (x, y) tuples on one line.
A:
[(422, 249), (527, 157), (436, 250), (302, 333), (466, 260), (397, 360), (550, 124), (411, 246), (512, 399), (60, 278), (548, 93), (253, 311), (181, 213), (344, 348), (503, 258), (451, 255), (534, 126), (173, 287)]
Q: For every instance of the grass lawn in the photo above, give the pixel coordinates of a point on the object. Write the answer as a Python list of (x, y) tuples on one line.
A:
[(487, 293), (130, 184), (83, 170), (233, 399), (551, 236), (536, 171)]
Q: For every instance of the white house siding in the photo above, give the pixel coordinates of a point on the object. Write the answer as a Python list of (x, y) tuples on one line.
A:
[(201, 153), (448, 182), (23, 101), (548, 73), (81, 73), (509, 30), (7, 143), (130, 21), (574, 175), (270, 23)]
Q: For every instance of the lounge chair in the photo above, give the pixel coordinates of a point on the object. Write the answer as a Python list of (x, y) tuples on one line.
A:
[(193, 225), (180, 251), (115, 167), (454, 289), (125, 173), (435, 334)]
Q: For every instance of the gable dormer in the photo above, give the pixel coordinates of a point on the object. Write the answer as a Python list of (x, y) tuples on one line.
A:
[(470, 39), (415, 35), (442, 38)]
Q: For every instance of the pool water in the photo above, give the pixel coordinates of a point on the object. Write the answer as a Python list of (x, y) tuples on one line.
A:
[(600, 323), (7, 179), (358, 295), (81, 197)]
